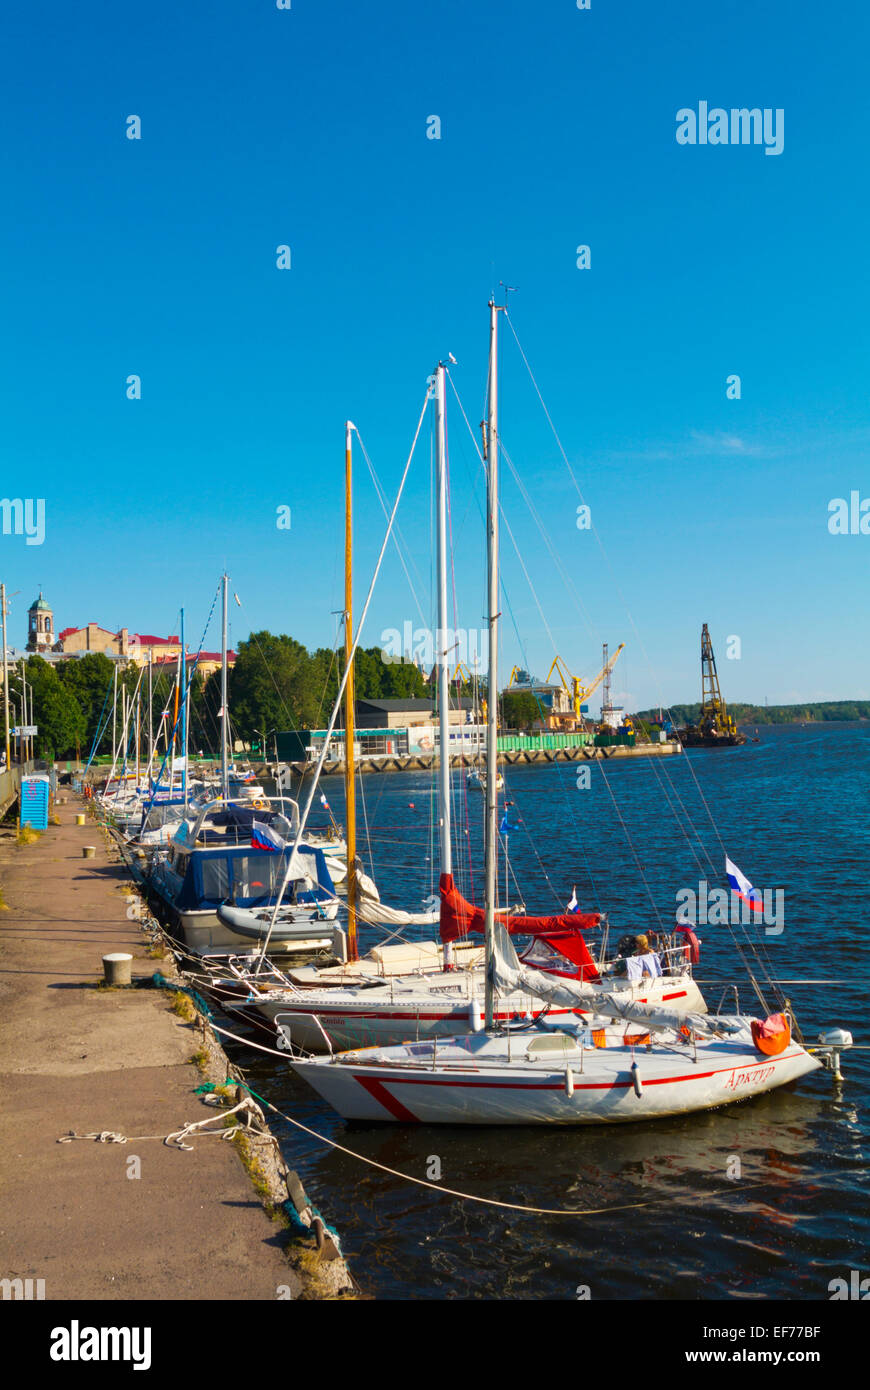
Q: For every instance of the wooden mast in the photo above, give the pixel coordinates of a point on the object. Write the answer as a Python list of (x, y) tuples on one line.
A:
[(349, 762)]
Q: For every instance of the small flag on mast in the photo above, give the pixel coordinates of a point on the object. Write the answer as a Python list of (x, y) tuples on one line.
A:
[(264, 837), (742, 887), (573, 905)]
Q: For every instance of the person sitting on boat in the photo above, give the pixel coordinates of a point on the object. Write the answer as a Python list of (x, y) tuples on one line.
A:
[(642, 960)]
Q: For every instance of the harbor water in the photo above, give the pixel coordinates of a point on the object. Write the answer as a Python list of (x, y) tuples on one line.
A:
[(764, 1200)]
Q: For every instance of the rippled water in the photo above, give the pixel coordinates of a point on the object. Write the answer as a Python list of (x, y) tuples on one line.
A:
[(792, 811)]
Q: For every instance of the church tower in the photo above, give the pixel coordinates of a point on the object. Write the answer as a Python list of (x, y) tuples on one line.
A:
[(40, 626)]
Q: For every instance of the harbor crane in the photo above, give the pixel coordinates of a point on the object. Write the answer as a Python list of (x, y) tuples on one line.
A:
[(715, 727), (565, 712)]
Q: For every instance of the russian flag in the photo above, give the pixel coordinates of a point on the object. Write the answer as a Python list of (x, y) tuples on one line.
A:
[(742, 887), (573, 905), (264, 837)]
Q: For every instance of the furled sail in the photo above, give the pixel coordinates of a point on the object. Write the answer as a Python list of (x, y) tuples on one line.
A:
[(564, 932), (510, 975)]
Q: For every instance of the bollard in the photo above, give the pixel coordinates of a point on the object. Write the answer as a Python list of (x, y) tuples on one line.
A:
[(117, 968), (80, 819), (88, 851)]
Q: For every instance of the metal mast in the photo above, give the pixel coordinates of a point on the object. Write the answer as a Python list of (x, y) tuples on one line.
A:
[(225, 779), (183, 687), (443, 656), (491, 819), (150, 714), (5, 677), (114, 715), (349, 732)]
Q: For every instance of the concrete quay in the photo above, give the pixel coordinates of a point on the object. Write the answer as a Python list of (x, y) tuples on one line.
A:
[(94, 1220)]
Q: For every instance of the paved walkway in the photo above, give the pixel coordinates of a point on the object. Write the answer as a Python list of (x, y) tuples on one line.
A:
[(74, 1057)]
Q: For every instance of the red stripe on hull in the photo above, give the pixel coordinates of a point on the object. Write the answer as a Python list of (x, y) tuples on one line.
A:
[(379, 1092), (559, 1085)]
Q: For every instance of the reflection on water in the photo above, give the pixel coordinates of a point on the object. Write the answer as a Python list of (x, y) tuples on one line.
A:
[(767, 1199)]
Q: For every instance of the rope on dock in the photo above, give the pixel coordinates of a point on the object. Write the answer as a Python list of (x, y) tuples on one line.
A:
[(175, 1140)]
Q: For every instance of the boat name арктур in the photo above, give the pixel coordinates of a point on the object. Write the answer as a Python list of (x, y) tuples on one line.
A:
[(741, 126)]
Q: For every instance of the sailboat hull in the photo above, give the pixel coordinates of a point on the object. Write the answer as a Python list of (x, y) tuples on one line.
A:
[(447, 1008), (601, 1090)]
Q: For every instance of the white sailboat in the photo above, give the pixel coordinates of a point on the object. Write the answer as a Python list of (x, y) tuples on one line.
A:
[(433, 988), (654, 1062)]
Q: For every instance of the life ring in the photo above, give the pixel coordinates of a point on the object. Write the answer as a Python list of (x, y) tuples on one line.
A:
[(772, 1036)]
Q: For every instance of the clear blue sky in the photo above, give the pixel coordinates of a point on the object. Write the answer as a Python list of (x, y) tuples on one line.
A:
[(308, 127)]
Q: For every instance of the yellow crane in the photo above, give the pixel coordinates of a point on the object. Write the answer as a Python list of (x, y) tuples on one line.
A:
[(580, 692), (575, 689)]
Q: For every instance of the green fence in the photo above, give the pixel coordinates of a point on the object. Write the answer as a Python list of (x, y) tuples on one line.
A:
[(529, 743)]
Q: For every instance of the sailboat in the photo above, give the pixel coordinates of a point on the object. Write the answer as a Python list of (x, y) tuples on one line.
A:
[(627, 1061), (224, 876), (421, 989)]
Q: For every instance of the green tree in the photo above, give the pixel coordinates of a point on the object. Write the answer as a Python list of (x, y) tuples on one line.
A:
[(519, 709), (272, 685), (89, 682), (56, 713)]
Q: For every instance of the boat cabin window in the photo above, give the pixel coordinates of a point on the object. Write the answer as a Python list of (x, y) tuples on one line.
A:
[(257, 876), (215, 878)]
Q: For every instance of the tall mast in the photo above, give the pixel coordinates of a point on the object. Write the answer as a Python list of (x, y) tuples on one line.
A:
[(491, 819), (225, 781), (150, 713), (5, 678), (349, 732), (183, 715), (443, 656), (124, 724), (114, 716)]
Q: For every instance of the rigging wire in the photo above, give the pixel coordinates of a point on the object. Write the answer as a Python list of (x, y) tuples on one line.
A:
[(760, 951)]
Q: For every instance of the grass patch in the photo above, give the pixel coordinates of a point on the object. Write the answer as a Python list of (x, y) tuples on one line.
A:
[(156, 953), (183, 1006), (27, 835), (254, 1171), (4, 906), (200, 1060)]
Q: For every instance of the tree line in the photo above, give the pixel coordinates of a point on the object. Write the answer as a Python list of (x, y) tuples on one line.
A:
[(275, 684), (840, 711)]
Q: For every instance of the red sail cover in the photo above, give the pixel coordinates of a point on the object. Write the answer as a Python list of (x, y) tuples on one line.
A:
[(564, 932)]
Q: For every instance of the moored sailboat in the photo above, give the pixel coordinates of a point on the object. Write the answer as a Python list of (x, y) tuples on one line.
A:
[(655, 1062)]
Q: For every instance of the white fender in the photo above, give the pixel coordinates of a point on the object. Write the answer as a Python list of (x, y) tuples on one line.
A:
[(569, 1082), (635, 1077)]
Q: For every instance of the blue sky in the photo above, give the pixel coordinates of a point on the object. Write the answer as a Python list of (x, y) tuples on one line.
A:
[(307, 127)]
